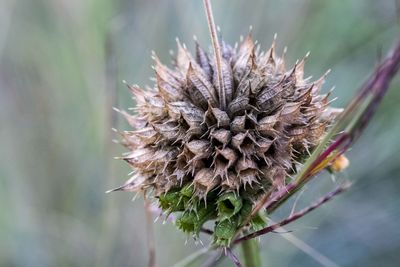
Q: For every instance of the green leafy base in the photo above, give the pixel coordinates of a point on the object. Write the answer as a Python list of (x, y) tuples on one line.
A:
[(229, 210)]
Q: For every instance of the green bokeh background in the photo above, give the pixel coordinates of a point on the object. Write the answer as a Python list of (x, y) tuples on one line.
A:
[(61, 67)]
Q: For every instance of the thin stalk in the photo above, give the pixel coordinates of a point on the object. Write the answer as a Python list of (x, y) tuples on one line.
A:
[(251, 253), (233, 257), (217, 53), (295, 216)]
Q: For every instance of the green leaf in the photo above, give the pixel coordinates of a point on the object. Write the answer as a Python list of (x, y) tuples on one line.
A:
[(171, 202), (192, 221), (259, 221), (228, 205), (187, 222), (225, 231), (187, 191)]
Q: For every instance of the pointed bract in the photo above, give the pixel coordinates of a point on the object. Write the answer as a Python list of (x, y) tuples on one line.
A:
[(186, 138)]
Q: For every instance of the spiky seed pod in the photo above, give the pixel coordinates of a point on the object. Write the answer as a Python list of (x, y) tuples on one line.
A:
[(200, 157)]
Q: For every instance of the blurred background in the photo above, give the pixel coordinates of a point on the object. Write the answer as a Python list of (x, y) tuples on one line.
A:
[(61, 67)]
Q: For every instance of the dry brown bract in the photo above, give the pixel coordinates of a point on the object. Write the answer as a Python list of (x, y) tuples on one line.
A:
[(183, 135)]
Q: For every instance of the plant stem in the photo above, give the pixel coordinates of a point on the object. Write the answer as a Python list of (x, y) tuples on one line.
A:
[(217, 52), (296, 215), (251, 253)]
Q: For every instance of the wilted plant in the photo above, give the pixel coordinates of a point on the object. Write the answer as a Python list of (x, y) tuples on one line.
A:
[(230, 136)]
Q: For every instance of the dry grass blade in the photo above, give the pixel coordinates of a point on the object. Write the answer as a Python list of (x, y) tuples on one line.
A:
[(217, 53)]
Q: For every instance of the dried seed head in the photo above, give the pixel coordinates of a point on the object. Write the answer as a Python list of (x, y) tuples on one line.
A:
[(226, 153)]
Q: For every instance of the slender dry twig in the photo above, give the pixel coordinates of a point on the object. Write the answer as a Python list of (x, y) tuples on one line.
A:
[(217, 52), (296, 215)]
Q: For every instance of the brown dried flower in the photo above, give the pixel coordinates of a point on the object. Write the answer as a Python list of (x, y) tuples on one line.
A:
[(242, 133)]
